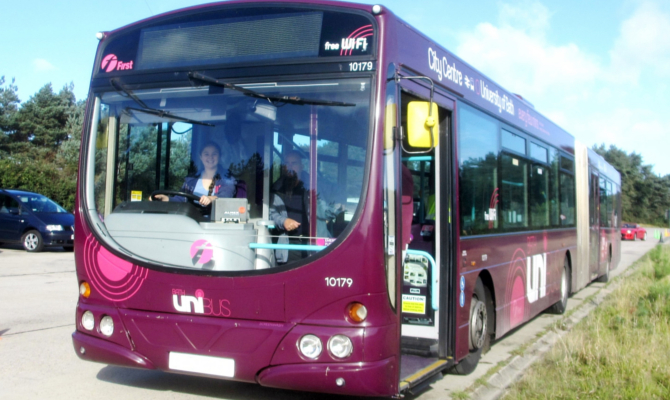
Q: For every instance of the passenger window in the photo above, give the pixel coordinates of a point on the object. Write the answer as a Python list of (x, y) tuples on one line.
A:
[(513, 192), (538, 152), (567, 183), (513, 142), (478, 172), (539, 196)]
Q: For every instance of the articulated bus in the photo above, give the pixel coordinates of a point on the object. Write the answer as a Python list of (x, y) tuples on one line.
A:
[(312, 195)]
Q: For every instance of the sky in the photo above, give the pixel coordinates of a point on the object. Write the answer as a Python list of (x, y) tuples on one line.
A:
[(599, 68)]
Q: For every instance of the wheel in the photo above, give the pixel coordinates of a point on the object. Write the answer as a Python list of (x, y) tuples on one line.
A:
[(68, 248), (481, 328), (560, 306), (32, 241), (604, 278)]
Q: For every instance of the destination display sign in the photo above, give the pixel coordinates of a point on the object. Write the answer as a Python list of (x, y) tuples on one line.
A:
[(236, 36)]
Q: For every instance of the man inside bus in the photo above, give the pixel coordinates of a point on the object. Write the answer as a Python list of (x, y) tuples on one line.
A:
[(234, 153), (290, 206)]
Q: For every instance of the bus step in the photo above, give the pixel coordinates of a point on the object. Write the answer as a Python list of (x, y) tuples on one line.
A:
[(416, 372), (419, 346)]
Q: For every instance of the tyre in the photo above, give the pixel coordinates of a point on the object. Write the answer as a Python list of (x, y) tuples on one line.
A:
[(604, 278), (566, 284), (32, 241), (481, 328)]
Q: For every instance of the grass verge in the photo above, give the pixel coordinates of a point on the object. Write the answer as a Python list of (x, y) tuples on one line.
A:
[(620, 351)]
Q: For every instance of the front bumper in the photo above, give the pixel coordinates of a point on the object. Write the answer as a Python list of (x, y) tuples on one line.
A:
[(256, 351), (58, 238), (368, 378), (90, 348)]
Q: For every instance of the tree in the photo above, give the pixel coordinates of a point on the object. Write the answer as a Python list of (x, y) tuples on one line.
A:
[(644, 195), (9, 102), (42, 119)]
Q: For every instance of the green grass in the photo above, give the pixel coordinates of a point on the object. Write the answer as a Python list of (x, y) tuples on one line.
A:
[(620, 351)]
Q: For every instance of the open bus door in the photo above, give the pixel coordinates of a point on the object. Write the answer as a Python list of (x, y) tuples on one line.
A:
[(424, 282)]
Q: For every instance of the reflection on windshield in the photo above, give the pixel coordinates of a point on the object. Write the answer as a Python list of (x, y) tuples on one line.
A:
[(238, 182), (41, 204)]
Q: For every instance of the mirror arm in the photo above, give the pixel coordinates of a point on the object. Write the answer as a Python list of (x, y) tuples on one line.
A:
[(430, 114)]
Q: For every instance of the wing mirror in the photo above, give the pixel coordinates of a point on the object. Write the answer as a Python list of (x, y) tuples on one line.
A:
[(422, 128)]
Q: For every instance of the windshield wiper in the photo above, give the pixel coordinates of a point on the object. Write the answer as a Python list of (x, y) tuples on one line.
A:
[(166, 114), (280, 99), (152, 111)]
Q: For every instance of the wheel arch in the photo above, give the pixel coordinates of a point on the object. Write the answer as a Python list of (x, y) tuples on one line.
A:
[(568, 257), (487, 280)]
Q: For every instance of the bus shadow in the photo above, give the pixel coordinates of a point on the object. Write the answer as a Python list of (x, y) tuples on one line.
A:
[(214, 388)]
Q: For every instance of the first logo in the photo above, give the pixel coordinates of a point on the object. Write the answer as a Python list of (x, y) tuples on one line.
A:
[(109, 62)]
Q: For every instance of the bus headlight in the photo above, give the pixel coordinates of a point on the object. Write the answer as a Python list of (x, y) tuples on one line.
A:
[(340, 346), (310, 346), (107, 325), (88, 320)]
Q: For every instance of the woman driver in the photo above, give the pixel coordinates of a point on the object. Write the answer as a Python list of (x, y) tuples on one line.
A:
[(211, 182)]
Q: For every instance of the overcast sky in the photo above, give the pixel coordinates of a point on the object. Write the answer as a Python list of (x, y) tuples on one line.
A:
[(598, 68)]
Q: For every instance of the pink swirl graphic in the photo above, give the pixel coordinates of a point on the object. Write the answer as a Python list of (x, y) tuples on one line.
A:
[(516, 291), (115, 279)]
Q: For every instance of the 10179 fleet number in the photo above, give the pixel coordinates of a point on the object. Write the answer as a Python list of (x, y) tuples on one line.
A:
[(339, 282)]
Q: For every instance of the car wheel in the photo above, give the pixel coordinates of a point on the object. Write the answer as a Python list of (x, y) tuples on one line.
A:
[(32, 241), (481, 328)]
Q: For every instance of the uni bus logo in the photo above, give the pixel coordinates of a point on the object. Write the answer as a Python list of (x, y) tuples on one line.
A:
[(111, 63)]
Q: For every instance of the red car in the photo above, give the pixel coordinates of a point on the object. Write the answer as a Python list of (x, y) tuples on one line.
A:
[(633, 232)]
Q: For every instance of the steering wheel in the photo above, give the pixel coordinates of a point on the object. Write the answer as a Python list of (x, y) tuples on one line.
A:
[(189, 196)]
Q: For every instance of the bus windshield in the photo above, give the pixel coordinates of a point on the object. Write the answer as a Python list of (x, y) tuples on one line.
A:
[(248, 176)]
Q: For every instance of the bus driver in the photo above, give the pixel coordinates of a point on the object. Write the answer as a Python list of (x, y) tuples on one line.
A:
[(211, 182)]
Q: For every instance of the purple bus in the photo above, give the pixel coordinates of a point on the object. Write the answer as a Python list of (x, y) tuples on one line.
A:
[(312, 195)]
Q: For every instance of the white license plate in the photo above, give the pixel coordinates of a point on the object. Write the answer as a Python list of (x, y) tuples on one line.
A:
[(207, 365)]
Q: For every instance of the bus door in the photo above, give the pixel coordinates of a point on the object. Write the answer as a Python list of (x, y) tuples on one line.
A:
[(594, 223), (427, 257)]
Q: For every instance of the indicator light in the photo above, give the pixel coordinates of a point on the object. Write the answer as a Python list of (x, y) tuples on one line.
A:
[(85, 289), (357, 312)]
